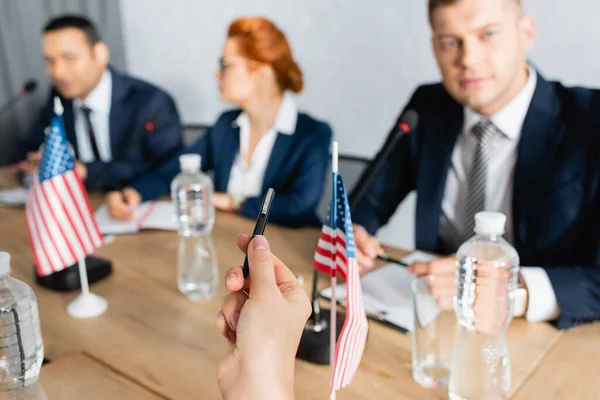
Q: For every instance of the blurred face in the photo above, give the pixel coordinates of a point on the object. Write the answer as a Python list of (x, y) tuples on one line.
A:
[(72, 64), (239, 78), (480, 47)]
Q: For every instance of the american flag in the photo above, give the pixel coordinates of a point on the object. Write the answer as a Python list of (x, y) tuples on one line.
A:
[(62, 228), (338, 234)]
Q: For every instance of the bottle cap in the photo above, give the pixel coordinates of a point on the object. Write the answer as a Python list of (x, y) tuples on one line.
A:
[(58, 107), (4, 263), (190, 162), (489, 223)]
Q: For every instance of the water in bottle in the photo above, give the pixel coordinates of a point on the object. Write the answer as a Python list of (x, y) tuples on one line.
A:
[(21, 348), (486, 278), (197, 268)]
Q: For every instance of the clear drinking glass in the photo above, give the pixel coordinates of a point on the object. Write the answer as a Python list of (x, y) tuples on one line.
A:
[(432, 338)]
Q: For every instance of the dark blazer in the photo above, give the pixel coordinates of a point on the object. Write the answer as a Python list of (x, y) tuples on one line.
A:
[(134, 103), (296, 169), (556, 199)]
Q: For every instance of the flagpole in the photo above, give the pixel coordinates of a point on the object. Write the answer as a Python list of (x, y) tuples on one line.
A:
[(83, 278), (333, 310)]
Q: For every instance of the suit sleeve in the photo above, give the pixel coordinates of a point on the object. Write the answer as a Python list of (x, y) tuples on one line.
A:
[(390, 185), (157, 183), (35, 136), (298, 207), (157, 147)]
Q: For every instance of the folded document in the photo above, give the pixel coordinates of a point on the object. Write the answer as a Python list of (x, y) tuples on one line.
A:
[(387, 293), (149, 215)]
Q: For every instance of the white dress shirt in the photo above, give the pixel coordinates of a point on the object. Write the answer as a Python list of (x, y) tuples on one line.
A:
[(99, 101), (499, 189), (247, 179)]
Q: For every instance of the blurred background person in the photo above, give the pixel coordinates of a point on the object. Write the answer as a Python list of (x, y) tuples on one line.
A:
[(496, 136), (265, 143), (118, 126)]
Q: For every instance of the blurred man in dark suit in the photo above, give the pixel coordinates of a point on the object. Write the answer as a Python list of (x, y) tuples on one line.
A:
[(119, 126), (496, 136)]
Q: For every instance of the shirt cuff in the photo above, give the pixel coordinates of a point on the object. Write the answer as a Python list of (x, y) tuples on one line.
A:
[(542, 300)]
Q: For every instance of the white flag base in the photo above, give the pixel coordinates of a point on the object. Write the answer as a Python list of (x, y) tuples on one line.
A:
[(87, 305)]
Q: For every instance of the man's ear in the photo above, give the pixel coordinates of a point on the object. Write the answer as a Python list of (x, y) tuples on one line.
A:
[(101, 53)]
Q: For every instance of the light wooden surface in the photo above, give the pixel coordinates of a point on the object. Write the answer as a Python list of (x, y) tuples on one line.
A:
[(156, 338), (570, 369), (78, 377)]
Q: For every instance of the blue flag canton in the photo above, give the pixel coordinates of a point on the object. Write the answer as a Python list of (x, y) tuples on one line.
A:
[(343, 218), (56, 159)]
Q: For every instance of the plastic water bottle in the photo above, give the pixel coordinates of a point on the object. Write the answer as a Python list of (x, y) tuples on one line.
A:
[(192, 193), (21, 348), (486, 278)]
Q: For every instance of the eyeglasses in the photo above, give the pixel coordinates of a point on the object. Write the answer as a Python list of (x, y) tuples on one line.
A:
[(224, 64)]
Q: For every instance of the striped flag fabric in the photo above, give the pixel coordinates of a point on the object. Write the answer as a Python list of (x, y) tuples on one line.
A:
[(336, 254), (60, 221)]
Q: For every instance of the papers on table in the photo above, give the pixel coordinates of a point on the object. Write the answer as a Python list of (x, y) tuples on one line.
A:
[(149, 215), (387, 293), (14, 197)]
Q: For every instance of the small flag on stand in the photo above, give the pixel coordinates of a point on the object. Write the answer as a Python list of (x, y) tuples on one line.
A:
[(62, 228), (61, 224), (336, 254)]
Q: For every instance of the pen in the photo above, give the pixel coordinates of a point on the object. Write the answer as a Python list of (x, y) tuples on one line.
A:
[(261, 223), (386, 258)]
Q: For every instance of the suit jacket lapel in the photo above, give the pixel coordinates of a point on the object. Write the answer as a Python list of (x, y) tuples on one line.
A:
[(538, 141), (276, 161), (440, 134)]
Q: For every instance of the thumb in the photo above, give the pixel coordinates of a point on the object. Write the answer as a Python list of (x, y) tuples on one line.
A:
[(261, 265)]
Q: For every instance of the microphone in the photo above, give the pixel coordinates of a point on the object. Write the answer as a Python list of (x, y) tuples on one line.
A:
[(406, 123), (148, 127), (28, 87)]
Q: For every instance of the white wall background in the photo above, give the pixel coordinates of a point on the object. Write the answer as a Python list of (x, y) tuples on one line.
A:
[(361, 59)]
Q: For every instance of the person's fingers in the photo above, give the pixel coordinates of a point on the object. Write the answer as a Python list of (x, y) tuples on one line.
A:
[(445, 303), (443, 266), (34, 156), (282, 272), (419, 269), (234, 279), (231, 308), (132, 197), (441, 282), (222, 325), (365, 263), (242, 242), (494, 272), (261, 265)]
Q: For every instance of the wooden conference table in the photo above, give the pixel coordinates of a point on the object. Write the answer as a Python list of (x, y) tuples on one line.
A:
[(152, 343)]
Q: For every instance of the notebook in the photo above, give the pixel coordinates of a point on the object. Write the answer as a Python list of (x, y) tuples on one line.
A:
[(387, 293), (149, 215)]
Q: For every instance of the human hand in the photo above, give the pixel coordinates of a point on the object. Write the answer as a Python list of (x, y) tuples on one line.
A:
[(223, 202), (81, 170), (29, 165), (367, 249), (263, 328), (122, 204), (491, 290)]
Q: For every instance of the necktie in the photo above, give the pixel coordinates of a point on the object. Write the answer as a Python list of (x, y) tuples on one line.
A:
[(90, 128), (485, 132)]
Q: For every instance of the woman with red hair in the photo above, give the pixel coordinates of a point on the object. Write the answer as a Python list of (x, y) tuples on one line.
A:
[(264, 143)]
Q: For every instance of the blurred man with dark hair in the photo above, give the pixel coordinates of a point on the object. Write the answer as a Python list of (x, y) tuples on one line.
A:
[(119, 126), (495, 135)]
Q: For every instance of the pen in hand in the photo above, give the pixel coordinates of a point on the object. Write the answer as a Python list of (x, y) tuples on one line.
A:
[(261, 223)]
